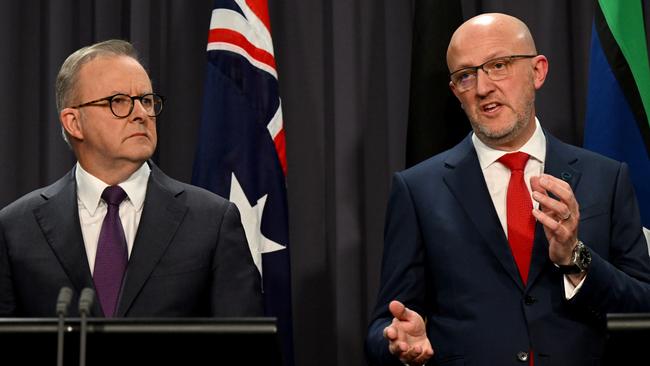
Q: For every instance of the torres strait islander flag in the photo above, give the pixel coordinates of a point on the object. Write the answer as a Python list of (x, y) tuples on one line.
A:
[(241, 144), (618, 102)]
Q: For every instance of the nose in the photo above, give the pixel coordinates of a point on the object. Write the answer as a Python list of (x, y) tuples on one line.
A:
[(139, 113), (483, 83)]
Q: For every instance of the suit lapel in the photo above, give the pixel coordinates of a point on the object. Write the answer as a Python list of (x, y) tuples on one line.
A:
[(161, 216), (559, 163), (466, 181), (58, 219)]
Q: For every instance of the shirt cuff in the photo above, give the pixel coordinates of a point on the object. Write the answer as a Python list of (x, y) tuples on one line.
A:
[(569, 290)]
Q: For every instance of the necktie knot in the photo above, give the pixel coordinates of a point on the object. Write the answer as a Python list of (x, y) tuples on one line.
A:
[(515, 161), (113, 195)]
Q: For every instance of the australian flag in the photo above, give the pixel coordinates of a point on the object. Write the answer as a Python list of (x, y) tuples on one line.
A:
[(241, 144)]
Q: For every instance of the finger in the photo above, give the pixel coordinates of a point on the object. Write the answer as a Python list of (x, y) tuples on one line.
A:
[(557, 208), (393, 348), (547, 220), (398, 348), (541, 193), (564, 232), (535, 186), (560, 189), (424, 356), (407, 356), (564, 193), (413, 353), (561, 231), (554, 180), (398, 310), (390, 333)]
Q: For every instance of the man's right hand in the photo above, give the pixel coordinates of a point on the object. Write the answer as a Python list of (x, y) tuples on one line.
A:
[(407, 336)]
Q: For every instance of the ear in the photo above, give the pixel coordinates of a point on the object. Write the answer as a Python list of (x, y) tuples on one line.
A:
[(456, 94), (540, 69), (453, 90), (70, 121)]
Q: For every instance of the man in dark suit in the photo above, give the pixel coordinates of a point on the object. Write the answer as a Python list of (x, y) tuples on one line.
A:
[(512, 245), (149, 245)]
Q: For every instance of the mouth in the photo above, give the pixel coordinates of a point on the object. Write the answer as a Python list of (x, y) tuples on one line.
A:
[(490, 108), (137, 134)]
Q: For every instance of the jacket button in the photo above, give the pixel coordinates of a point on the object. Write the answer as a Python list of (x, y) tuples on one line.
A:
[(522, 356), (529, 300)]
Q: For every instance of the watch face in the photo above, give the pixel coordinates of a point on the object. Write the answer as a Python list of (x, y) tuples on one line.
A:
[(583, 257), (579, 262)]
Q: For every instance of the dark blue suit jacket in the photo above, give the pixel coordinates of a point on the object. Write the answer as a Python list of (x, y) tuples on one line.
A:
[(190, 257), (447, 257)]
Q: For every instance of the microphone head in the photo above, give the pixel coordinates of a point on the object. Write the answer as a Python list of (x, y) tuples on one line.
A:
[(86, 300), (63, 301)]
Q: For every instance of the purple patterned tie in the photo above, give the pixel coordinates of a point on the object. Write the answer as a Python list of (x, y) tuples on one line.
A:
[(111, 259)]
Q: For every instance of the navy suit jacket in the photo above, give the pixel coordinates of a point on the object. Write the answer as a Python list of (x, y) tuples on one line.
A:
[(446, 256), (190, 257)]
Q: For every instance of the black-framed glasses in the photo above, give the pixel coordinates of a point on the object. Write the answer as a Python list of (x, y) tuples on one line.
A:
[(122, 105), (495, 69)]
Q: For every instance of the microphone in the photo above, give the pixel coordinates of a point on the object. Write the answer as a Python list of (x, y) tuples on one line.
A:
[(63, 301), (85, 303), (86, 300), (62, 304)]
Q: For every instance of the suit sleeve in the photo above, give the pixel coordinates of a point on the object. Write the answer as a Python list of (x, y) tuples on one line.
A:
[(402, 270), (622, 282), (7, 299), (236, 285)]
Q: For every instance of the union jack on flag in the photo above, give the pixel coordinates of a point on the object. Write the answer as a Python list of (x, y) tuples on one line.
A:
[(241, 144)]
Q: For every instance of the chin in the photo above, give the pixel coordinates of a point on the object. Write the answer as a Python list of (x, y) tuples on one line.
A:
[(495, 137), (141, 155), (494, 130), (501, 134)]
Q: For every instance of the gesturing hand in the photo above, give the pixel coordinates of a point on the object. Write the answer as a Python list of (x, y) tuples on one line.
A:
[(407, 336), (559, 216)]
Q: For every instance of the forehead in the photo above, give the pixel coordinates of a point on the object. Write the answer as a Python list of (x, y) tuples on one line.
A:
[(478, 43), (105, 74)]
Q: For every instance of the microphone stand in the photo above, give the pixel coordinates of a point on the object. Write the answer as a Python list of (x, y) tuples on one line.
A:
[(62, 303), (85, 303)]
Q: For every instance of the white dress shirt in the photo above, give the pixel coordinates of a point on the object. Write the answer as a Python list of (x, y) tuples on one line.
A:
[(92, 207), (497, 177)]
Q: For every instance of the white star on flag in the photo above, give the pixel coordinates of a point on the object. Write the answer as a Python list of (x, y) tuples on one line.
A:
[(251, 219)]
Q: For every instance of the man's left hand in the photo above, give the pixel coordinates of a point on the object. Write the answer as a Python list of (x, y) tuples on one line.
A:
[(559, 216)]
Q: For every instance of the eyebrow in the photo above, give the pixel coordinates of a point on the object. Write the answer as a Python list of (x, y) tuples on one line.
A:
[(490, 58), (121, 92)]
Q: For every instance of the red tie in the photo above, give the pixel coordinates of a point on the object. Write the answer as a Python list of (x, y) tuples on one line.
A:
[(521, 223)]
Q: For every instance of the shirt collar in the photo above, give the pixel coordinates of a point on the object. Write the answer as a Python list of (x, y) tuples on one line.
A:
[(90, 188), (535, 147)]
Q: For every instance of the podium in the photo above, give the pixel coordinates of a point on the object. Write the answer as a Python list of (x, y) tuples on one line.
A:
[(627, 339), (136, 341)]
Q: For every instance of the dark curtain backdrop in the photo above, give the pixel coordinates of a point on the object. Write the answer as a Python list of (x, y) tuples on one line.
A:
[(344, 69)]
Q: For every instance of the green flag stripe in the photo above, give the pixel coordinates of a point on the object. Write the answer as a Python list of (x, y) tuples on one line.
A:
[(623, 73), (625, 20)]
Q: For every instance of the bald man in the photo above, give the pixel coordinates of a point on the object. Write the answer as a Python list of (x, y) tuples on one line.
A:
[(511, 247)]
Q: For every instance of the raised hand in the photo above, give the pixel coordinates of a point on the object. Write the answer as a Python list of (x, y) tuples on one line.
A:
[(407, 336), (560, 218)]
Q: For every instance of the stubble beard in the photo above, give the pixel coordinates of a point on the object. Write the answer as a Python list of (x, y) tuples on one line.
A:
[(511, 131)]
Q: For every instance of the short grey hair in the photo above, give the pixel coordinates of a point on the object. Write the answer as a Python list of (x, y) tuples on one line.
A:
[(66, 80)]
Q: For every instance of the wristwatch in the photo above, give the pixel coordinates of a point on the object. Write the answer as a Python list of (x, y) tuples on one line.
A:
[(580, 260)]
